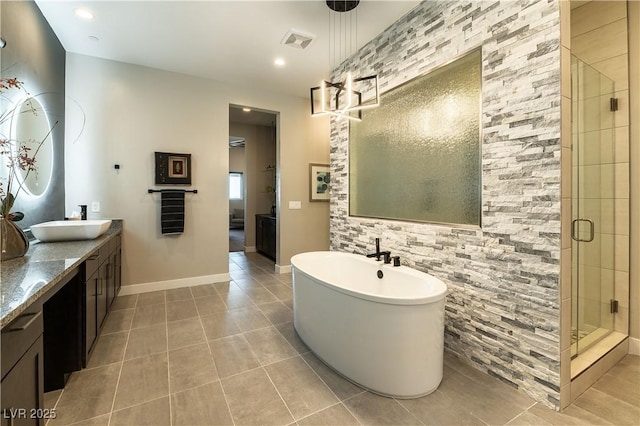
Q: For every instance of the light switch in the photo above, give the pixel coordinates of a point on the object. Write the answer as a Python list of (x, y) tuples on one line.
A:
[(95, 207), (295, 205)]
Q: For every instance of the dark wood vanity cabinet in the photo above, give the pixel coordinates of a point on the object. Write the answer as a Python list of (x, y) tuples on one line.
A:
[(22, 370), (266, 235), (52, 335), (102, 283)]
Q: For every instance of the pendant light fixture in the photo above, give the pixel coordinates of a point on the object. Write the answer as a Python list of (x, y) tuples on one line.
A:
[(346, 98)]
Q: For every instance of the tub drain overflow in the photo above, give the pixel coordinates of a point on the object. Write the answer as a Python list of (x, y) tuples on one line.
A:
[(380, 274)]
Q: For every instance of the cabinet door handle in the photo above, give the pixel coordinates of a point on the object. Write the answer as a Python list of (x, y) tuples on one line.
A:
[(99, 286), (34, 316)]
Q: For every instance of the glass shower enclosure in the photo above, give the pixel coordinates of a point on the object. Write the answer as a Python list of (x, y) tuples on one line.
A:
[(592, 205)]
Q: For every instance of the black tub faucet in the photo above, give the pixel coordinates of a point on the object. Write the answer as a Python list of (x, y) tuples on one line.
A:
[(378, 253)]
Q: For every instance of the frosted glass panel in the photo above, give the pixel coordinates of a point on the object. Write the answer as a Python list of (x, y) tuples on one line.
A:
[(417, 156)]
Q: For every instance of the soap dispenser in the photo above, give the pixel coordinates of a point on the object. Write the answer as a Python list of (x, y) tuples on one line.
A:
[(83, 211)]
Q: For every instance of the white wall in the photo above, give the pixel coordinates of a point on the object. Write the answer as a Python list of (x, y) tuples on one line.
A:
[(293, 176), (131, 112)]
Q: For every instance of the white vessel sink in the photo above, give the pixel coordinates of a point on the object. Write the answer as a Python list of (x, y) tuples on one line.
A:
[(70, 230)]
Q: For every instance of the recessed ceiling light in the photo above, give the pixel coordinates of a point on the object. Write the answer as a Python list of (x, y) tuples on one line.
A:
[(83, 13), (246, 109), (279, 62)]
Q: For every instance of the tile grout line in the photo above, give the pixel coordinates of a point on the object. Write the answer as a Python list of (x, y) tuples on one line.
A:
[(224, 394), (398, 401), (510, 420), (285, 339), (530, 407), (351, 412), (115, 393), (260, 365), (166, 334), (326, 408), (341, 401), (280, 395), (239, 373), (56, 404), (330, 390), (618, 400), (251, 349)]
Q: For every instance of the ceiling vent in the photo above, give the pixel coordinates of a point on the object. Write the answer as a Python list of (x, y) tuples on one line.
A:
[(297, 39)]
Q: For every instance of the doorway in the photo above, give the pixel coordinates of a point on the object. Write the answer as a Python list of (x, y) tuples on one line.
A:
[(237, 196), (252, 177)]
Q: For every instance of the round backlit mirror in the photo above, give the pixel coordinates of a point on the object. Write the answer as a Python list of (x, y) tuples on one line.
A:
[(32, 128)]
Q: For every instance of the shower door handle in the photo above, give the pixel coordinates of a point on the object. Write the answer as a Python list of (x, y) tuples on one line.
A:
[(574, 233)]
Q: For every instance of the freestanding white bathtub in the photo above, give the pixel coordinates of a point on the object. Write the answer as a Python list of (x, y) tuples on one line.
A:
[(385, 334)]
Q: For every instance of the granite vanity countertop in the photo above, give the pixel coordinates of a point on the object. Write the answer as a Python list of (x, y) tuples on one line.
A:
[(25, 279)]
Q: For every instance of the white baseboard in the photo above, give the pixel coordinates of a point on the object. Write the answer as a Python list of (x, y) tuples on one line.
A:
[(286, 269), (250, 249), (166, 285), (634, 346)]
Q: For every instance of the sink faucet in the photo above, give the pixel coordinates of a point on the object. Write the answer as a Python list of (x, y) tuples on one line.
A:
[(378, 253)]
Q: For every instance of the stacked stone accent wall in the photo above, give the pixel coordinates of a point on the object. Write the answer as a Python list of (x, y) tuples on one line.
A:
[(502, 310)]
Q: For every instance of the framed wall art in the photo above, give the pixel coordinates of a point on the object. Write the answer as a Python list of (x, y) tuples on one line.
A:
[(319, 182), (173, 169)]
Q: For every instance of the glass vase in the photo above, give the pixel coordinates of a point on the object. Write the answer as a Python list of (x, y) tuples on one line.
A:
[(13, 241)]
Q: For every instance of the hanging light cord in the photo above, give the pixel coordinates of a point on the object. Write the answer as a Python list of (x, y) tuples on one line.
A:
[(343, 35)]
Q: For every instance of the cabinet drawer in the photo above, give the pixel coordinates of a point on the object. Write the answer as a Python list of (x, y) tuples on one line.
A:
[(19, 335), (92, 264), (97, 258)]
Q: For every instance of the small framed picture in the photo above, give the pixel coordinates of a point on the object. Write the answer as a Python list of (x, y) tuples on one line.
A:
[(319, 182), (173, 169)]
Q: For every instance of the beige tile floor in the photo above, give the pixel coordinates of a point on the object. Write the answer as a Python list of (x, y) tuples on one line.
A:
[(226, 353)]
